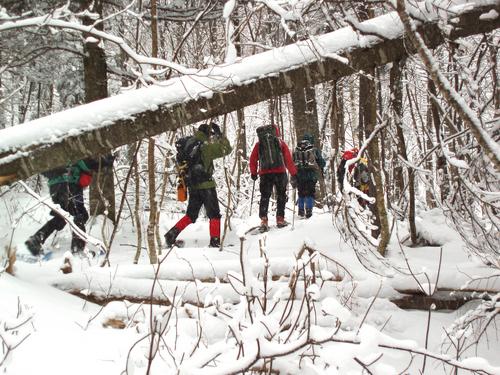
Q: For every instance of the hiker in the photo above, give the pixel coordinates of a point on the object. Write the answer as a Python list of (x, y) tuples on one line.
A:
[(271, 157), (66, 186), (359, 172), (196, 162), (310, 165)]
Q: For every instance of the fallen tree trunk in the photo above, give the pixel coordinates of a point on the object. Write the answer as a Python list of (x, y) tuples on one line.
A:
[(408, 300), (218, 90)]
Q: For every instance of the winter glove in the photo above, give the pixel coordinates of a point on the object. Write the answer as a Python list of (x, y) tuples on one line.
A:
[(216, 130), (254, 177), (293, 181)]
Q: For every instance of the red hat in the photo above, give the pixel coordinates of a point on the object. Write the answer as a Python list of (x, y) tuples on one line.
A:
[(350, 154)]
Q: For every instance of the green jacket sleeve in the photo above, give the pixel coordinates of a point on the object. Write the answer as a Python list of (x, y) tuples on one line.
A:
[(82, 164)]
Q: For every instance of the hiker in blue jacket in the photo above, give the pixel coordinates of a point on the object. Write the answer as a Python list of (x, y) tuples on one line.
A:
[(310, 165)]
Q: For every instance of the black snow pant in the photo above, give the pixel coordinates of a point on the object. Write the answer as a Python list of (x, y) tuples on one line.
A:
[(203, 197), (306, 188), (267, 183), (70, 198)]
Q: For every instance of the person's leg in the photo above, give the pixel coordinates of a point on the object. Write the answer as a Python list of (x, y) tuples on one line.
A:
[(194, 204), (266, 189), (309, 200), (281, 182), (76, 207), (211, 204), (59, 194)]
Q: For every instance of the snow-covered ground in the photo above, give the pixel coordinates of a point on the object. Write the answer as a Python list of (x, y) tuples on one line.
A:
[(59, 333)]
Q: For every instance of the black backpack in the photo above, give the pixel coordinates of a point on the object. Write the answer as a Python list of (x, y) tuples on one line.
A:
[(304, 156), (189, 162), (56, 172), (270, 155)]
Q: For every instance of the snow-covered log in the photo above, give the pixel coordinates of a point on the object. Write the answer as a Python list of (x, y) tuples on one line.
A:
[(98, 127)]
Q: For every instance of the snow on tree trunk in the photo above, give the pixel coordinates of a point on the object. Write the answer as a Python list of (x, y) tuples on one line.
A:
[(101, 192)]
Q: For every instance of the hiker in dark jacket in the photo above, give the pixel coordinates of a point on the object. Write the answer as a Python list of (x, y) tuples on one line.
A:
[(66, 189), (203, 193), (273, 177), (310, 165)]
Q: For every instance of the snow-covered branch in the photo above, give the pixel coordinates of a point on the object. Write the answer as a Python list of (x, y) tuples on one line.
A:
[(490, 146), (49, 21)]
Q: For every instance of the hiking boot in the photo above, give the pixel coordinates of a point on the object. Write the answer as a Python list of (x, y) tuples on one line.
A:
[(34, 245), (264, 225), (77, 245), (214, 242), (281, 222), (301, 212), (171, 236), (309, 213)]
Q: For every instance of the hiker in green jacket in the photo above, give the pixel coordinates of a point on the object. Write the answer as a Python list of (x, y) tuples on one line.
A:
[(66, 186), (207, 144)]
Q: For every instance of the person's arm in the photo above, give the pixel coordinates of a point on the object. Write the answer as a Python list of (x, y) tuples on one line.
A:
[(290, 165), (320, 160), (254, 159), (87, 165), (90, 164)]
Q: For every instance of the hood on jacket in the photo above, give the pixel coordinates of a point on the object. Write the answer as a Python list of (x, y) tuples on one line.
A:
[(350, 154), (308, 137), (201, 135)]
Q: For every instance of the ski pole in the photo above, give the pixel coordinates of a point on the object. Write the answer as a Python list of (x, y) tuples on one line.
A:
[(294, 204), (251, 199)]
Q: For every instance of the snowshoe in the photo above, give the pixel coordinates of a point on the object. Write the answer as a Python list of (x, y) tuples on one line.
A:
[(264, 225), (171, 237), (214, 242), (281, 222), (263, 228), (178, 243), (29, 258)]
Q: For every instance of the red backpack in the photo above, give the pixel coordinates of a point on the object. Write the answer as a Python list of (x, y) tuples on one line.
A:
[(85, 179)]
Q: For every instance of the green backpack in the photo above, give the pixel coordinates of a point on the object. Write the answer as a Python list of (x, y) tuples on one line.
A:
[(270, 155)]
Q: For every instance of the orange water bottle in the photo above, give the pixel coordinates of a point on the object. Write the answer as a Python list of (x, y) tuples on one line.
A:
[(181, 191)]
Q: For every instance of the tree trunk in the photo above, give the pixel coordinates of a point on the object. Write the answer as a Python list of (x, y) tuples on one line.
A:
[(493, 50), (370, 121), (299, 109), (241, 139), (397, 108), (102, 189), (152, 227), (364, 87), (441, 169), (137, 205), (312, 124), (337, 129), (241, 146)]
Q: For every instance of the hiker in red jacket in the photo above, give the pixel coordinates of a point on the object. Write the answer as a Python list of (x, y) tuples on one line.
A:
[(271, 158)]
